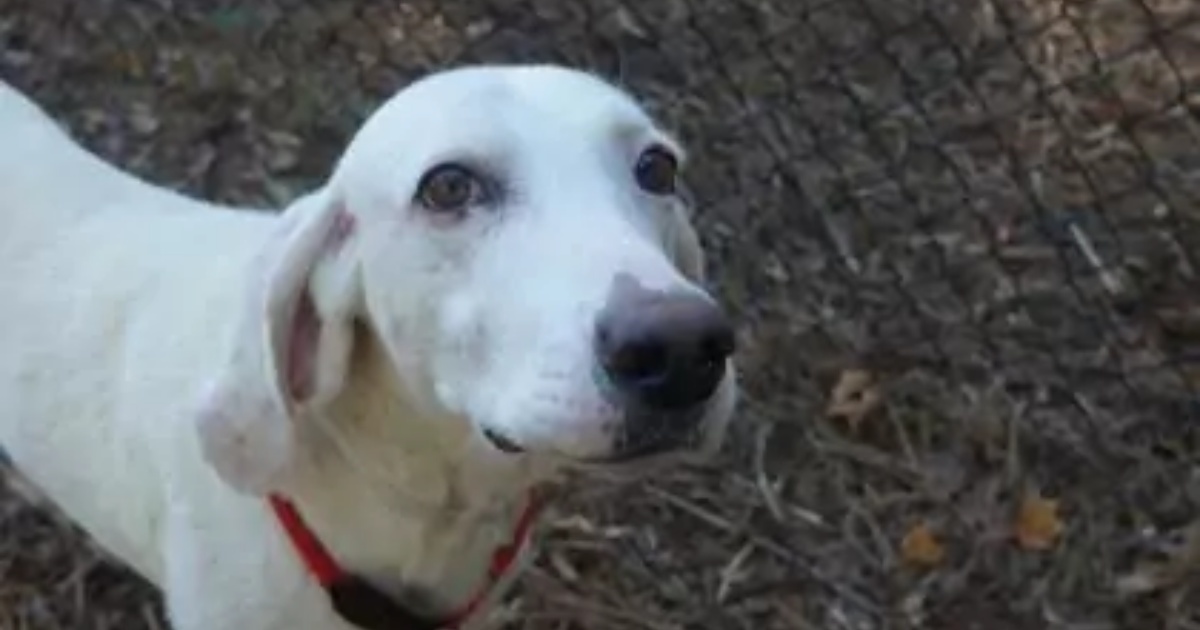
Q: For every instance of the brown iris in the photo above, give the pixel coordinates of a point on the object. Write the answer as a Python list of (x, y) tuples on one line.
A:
[(449, 188)]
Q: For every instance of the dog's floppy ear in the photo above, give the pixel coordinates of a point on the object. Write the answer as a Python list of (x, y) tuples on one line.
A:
[(289, 354)]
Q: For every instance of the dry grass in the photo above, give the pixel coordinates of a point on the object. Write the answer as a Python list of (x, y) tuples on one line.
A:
[(968, 230)]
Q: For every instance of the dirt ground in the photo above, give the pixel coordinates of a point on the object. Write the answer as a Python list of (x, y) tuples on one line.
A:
[(958, 235)]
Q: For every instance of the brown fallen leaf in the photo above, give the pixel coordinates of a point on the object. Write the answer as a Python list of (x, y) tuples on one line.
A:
[(854, 397), (1038, 524), (920, 546)]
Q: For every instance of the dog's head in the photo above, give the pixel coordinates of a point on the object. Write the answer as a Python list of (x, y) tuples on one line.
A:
[(516, 238)]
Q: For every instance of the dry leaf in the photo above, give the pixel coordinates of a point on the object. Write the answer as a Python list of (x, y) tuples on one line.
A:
[(855, 395), (1038, 524), (920, 546)]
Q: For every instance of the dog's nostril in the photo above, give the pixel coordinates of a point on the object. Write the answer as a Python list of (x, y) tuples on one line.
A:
[(717, 347), (643, 362)]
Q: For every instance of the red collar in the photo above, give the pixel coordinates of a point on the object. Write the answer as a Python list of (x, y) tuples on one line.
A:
[(363, 605)]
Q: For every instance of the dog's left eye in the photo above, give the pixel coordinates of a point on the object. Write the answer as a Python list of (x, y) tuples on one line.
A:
[(657, 171), (449, 188)]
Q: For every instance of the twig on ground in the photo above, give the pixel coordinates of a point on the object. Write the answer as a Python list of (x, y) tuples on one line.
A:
[(779, 550)]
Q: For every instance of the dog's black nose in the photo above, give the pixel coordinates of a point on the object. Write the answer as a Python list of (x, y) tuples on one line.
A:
[(662, 351)]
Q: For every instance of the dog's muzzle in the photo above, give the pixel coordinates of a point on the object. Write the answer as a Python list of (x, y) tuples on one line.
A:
[(661, 356)]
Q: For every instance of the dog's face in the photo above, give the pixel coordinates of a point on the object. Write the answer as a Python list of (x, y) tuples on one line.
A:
[(527, 259), (521, 248)]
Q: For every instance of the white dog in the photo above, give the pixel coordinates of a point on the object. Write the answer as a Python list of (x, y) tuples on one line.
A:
[(336, 417)]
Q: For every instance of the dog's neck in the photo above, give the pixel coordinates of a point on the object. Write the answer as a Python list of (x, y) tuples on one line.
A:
[(405, 499)]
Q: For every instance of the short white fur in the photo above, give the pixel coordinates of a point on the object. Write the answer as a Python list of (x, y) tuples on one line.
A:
[(144, 339)]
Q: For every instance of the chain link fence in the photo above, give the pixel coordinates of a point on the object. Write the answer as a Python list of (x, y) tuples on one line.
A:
[(961, 237)]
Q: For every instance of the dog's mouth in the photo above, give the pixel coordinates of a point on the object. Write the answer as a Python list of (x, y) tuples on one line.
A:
[(502, 442), (674, 438), (505, 444)]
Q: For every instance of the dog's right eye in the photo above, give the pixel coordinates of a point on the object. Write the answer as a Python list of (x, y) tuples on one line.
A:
[(449, 188)]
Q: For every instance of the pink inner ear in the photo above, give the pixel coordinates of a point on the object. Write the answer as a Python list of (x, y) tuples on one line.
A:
[(302, 349)]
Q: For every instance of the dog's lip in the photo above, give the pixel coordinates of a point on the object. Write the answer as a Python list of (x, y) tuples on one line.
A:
[(507, 445), (625, 457), (502, 442)]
